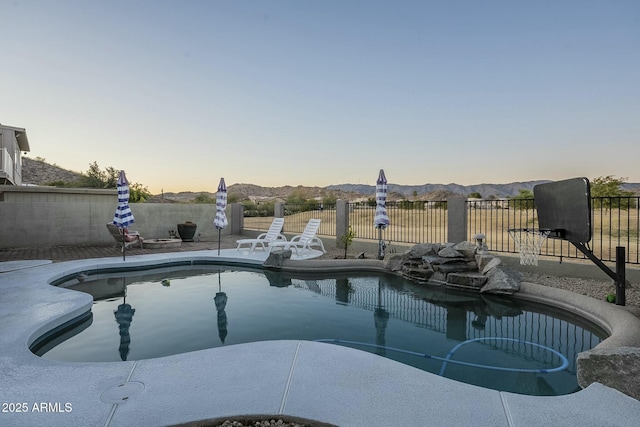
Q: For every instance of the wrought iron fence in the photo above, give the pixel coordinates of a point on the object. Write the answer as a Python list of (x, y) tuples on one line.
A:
[(410, 222), (298, 215), (615, 222)]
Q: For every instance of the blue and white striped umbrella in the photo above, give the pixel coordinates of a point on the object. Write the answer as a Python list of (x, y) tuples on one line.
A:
[(381, 220), (220, 221), (123, 217)]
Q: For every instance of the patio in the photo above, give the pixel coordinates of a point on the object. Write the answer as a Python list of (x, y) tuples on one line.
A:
[(310, 380)]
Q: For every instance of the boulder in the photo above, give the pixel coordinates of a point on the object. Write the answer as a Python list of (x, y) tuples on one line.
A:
[(467, 280), (423, 249), (419, 274), (456, 267), (482, 259), (493, 263), (502, 281), (615, 367), (437, 260), (468, 249), (459, 265), (277, 257), (449, 252), (395, 262)]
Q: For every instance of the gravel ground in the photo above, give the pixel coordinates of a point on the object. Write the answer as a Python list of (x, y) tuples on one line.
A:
[(258, 421), (593, 288)]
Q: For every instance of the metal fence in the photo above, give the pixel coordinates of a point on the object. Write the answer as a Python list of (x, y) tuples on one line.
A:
[(410, 222), (615, 222)]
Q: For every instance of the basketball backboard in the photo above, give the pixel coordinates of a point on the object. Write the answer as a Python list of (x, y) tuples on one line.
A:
[(565, 208)]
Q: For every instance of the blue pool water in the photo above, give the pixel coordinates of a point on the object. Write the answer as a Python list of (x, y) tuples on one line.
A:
[(490, 341)]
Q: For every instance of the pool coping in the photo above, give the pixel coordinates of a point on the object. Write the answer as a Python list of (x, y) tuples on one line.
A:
[(324, 382)]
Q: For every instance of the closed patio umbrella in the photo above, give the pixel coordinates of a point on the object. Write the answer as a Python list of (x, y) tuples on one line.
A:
[(381, 220), (123, 217), (220, 221)]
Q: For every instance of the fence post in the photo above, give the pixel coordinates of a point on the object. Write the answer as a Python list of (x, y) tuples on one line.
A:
[(342, 221), (278, 210), (237, 219), (457, 219)]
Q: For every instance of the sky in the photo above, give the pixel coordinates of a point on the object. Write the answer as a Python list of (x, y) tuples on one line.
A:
[(320, 92)]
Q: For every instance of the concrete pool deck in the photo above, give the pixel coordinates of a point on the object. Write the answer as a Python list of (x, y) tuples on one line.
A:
[(318, 381)]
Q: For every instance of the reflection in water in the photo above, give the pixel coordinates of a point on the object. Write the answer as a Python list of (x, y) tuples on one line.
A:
[(220, 301), (456, 323), (421, 320), (380, 318), (343, 288), (124, 317)]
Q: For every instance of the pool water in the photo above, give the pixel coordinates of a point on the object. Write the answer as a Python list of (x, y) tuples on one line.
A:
[(490, 341)]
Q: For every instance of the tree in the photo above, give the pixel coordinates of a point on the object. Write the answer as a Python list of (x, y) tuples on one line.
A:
[(524, 200), (233, 198), (297, 197), (138, 193), (607, 193), (298, 202), (475, 195), (347, 239), (329, 199), (97, 178), (204, 198)]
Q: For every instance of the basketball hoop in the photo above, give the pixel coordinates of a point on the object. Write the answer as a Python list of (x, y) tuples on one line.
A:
[(528, 243)]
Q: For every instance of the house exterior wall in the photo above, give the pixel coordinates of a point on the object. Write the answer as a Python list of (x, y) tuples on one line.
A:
[(10, 156)]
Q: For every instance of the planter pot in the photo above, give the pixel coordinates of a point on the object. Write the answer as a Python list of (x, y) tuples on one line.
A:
[(187, 231)]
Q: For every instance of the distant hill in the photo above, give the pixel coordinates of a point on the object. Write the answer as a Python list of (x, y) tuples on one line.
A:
[(38, 172), (486, 190)]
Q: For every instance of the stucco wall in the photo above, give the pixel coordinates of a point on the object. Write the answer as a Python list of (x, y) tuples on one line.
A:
[(49, 216)]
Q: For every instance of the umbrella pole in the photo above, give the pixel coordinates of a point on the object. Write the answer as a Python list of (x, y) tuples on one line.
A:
[(380, 247), (218, 241), (124, 245)]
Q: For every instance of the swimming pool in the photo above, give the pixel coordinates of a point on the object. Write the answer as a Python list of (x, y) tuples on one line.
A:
[(493, 342)]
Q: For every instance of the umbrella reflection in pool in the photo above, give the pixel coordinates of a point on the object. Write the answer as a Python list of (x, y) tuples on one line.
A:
[(124, 317), (380, 319), (221, 302)]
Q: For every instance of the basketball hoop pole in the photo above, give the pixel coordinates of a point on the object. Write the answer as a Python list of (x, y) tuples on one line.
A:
[(621, 283), (619, 276)]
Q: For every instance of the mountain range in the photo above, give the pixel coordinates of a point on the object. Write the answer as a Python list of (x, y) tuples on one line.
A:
[(38, 172)]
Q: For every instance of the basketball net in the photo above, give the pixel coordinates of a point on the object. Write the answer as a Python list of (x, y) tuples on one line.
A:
[(528, 243)]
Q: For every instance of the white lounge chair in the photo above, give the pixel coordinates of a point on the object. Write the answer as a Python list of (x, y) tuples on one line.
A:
[(264, 239), (303, 241)]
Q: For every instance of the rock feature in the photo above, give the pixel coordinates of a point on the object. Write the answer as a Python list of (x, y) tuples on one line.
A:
[(617, 367), (277, 257), (463, 265)]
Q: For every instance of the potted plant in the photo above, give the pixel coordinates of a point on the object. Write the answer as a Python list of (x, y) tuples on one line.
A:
[(187, 230)]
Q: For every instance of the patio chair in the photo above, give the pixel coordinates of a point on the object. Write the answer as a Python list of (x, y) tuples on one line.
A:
[(119, 236), (272, 235), (303, 241)]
